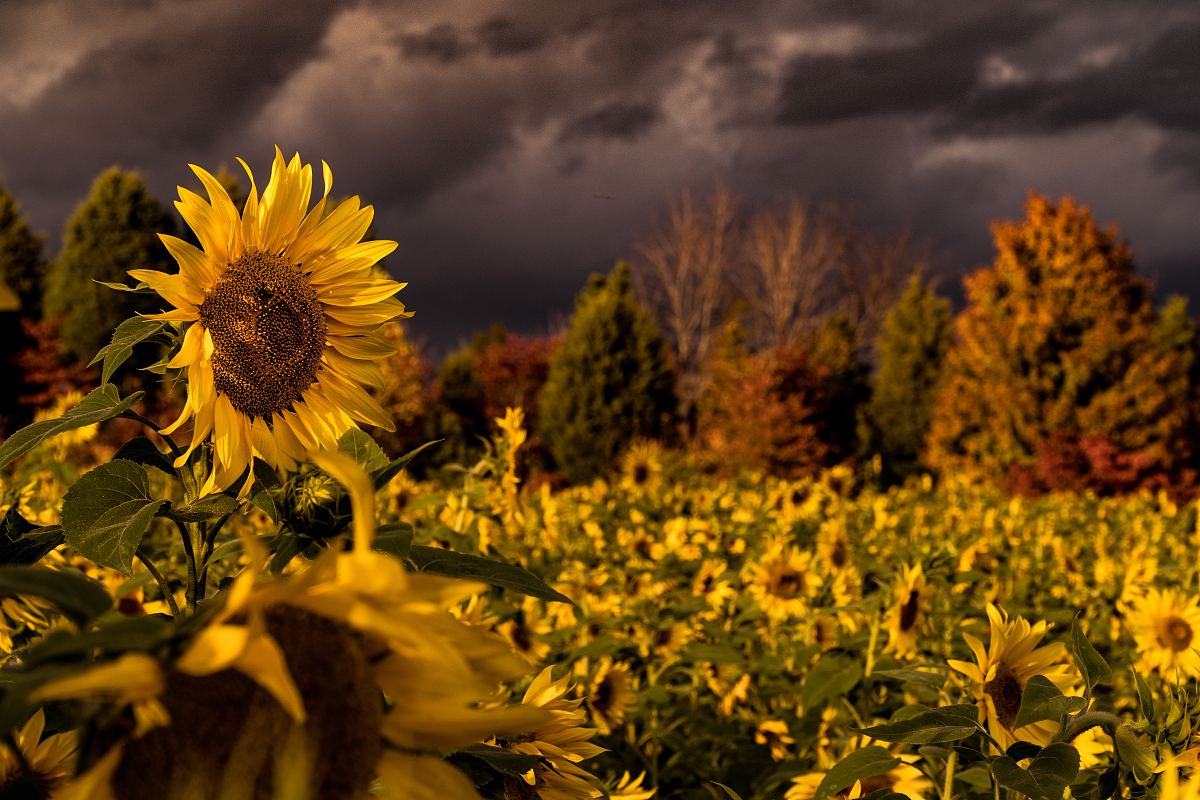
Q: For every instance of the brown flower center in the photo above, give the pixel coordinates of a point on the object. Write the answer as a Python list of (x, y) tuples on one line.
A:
[(268, 331), (788, 582), (1176, 634), (227, 735), (909, 611), (1005, 691)]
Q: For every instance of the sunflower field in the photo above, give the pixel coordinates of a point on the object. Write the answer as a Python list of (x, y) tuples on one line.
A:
[(255, 600)]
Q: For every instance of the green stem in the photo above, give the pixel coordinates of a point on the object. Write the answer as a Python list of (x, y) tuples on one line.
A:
[(1093, 719), (189, 553), (163, 587), (206, 551), (951, 763)]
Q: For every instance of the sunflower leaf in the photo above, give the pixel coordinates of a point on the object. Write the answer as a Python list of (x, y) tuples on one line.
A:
[(859, 765), (833, 676), (1041, 700), (383, 477), (395, 539), (1093, 666), (22, 542), (140, 450), (931, 726), (106, 513), (205, 508), (485, 570), (79, 598), (134, 330), (1048, 773), (102, 403), (363, 449)]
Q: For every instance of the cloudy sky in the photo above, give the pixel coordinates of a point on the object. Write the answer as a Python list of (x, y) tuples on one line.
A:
[(513, 147)]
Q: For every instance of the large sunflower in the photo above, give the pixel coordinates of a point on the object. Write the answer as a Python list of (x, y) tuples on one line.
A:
[(1000, 673), (283, 307)]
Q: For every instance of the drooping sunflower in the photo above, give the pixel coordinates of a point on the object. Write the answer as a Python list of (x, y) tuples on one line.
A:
[(44, 765), (1164, 624), (282, 308), (907, 614), (1000, 673)]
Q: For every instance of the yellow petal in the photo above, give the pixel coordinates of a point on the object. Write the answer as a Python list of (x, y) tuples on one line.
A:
[(347, 472), (404, 776)]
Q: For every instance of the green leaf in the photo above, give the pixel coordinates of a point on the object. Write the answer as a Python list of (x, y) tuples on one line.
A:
[(266, 482), (80, 598), (1093, 666), (395, 538), (931, 726), (502, 760), (141, 288), (134, 330), (106, 513), (495, 573), (859, 765), (934, 680), (730, 794), (1145, 697), (833, 676), (384, 476), (1042, 700), (141, 633), (102, 403), (21, 542), (212, 506), (140, 450), (363, 449), (716, 653), (1048, 773)]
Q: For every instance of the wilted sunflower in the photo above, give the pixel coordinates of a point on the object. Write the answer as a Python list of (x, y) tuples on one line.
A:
[(43, 766), (283, 307), (1164, 625), (907, 614), (1002, 670)]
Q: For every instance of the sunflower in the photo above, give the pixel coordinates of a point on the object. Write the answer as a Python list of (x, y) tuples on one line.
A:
[(282, 308), (610, 694), (775, 735), (353, 661), (783, 581), (904, 779), (630, 788), (44, 765), (907, 615), (1164, 625), (641, 467), (1002, 670)]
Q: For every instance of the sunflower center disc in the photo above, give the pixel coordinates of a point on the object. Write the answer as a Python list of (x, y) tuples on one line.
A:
[(268, 331), (1177, 634), (909, 611), (1005, 691)]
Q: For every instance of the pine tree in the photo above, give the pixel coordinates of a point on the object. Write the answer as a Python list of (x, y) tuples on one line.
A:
[(911, 347), (1060, 342), (115, 229), (21, 262), (609, 381)]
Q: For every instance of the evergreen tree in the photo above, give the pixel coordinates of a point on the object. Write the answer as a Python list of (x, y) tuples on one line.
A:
[(1060, 342), (21, 263), (115, 229), (911, 346), (843, 381), (609, 381)]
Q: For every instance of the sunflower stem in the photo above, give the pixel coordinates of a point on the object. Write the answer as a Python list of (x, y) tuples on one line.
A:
[(206, 550), (1092, 719), (951, 763), (189, 553), (163, 586)]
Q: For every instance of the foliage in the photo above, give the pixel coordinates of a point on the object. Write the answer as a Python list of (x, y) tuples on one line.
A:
[(21, 260), (405, 394), (609, 382), (115, 229), (1059, 338), (911, 348)]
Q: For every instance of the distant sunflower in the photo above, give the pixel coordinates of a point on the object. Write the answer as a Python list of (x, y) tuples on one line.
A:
[(907, 614), (1002, 670), (1164, 625), (783, 581), (283, 307), (610, 695), (641, 466)]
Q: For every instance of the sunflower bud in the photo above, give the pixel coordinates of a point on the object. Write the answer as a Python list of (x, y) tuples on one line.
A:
[(1136, 751), (315, 505)]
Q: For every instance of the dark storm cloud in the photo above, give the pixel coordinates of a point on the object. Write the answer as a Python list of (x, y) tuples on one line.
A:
[(514, 147)]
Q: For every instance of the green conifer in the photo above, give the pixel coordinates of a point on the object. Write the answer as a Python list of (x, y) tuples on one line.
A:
[(610, 381), (114, 230), (21, 263)]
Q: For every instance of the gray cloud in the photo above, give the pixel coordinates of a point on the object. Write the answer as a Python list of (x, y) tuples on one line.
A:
[(513, 147)]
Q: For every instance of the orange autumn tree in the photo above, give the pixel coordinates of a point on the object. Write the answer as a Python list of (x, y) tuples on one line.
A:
[(1060, 349)]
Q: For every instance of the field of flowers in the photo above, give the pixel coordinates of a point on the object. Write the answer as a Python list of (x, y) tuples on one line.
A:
[(278, 609)]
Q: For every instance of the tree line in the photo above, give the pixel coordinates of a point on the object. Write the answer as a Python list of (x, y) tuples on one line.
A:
[(784, 338)]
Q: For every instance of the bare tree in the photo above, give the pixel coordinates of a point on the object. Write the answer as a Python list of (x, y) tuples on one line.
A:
[(792, 257), (681, 270), (873, 275)]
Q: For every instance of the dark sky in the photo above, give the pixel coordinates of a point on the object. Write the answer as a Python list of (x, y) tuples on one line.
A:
[(514, 147)]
